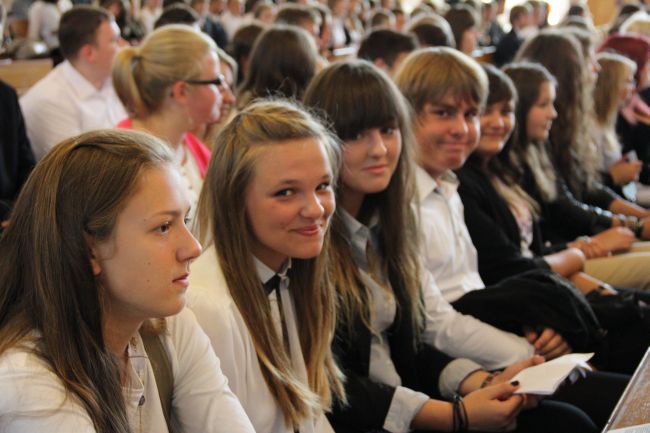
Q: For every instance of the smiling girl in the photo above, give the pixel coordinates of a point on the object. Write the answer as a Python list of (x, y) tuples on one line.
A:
[(96, 257), (393, 322), (260, 290)]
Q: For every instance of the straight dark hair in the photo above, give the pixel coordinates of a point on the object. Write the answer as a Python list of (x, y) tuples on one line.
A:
[(355, 96)]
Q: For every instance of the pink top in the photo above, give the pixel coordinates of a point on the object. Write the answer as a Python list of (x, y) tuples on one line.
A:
[(199, 151)]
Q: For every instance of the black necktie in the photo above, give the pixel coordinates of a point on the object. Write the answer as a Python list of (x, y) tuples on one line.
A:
[(272, 284)]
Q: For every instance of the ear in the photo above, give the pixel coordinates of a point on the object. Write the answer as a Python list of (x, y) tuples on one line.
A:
[(379, 62), (179, 91), (92, 251), (87, 53)]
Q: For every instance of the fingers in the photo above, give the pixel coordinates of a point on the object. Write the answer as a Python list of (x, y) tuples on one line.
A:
[(530, 334)]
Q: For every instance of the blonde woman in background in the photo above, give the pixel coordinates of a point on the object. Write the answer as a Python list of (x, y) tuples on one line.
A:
[(172, 84), (614, 89)]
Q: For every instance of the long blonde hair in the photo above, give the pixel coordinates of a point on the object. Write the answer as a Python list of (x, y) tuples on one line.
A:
[(222, 219), (142, 75), (46, 280)]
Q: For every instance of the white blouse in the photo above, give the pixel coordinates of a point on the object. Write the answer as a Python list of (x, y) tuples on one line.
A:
[(209, 298), (33, 398)]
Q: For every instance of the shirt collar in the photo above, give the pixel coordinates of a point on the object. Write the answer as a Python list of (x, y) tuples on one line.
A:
[(265, 273), (84, 88), (427, 185), (360, 234)]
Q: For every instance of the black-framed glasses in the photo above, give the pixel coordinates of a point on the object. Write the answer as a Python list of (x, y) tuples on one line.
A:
[(218, 81)]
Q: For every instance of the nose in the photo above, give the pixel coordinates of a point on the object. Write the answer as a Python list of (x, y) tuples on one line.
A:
[(189, 247), (312, 209), (553, 112), (227, 96), (494, 120), (376, 143), (459, 125)]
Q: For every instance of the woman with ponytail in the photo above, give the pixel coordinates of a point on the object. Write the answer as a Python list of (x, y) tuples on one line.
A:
[(172, 84)]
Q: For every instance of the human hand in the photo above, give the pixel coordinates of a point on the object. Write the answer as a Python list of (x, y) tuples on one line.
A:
[(591, 247), (529, 401), (549, 343), (494, 408), (624, 171), (616, 239)]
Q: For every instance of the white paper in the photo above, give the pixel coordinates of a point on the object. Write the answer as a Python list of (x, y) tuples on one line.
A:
[(544, 379)]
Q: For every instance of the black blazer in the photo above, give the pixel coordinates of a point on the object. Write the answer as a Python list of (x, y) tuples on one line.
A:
[(16, 156), (494, 230), (368, 402)]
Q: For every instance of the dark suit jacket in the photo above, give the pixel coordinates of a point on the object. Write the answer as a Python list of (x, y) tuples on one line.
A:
[(368, 402), (507, 48), (16, 156)]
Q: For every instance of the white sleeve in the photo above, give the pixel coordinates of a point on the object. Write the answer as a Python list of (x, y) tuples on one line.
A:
[(48, 122), (461, 336), (33, 399), (203, 402)]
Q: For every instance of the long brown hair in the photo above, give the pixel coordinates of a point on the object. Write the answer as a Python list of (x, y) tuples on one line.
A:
[(355, 96), (281, 64), (46, 281), (222, 220), (520, 150), (572, 150)]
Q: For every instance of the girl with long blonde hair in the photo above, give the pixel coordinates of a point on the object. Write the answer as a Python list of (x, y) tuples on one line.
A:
[(261, 290)]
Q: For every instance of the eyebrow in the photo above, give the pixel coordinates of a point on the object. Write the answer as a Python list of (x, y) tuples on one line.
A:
[(172, 213), (290, 182)]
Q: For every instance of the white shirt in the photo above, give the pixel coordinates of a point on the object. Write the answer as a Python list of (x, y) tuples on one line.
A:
[(64, 104), (33, 397), (231, 23), (148, 18), (210, 299), (447, 248), (44, 23), (458, 335)]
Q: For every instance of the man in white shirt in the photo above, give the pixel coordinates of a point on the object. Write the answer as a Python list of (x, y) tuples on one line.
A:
[(76, 96)]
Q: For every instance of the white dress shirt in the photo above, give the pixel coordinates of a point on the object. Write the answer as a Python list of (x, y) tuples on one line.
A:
[(209, 298), (64, 104), (231, 23), (44, 23), (33, 398), (447, 248), (455, 334)]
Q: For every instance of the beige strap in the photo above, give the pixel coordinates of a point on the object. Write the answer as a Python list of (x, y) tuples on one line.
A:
[(162, 370)]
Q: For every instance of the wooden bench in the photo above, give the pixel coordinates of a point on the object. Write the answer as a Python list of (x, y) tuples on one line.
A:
[(22, 74)]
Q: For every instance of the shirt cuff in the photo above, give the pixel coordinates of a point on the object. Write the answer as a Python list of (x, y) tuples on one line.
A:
[(453, 374), (405, 404)]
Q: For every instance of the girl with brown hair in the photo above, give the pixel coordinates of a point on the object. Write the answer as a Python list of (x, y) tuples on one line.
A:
[(93, 265), (393, 321)]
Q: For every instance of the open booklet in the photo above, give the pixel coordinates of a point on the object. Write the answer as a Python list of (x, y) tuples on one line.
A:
[(544, 379)]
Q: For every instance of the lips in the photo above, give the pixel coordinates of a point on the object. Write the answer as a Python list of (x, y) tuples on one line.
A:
[(310, 230), (377, 169), (183, 280)]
